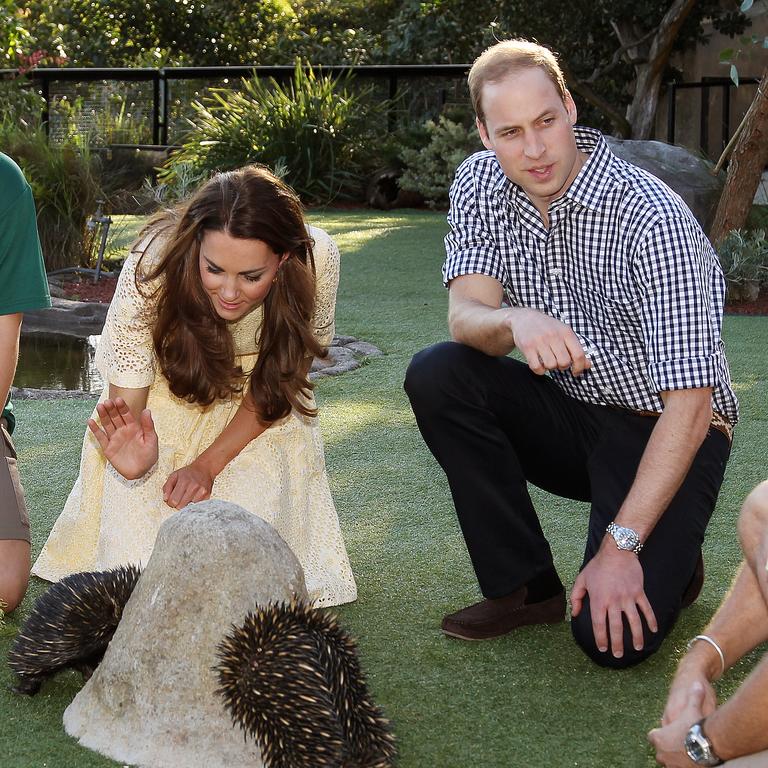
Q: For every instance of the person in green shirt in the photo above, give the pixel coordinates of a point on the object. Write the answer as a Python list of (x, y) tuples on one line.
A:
[(23, 287)]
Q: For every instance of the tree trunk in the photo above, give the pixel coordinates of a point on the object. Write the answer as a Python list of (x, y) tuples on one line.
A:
[(749, 158), (641, 113)]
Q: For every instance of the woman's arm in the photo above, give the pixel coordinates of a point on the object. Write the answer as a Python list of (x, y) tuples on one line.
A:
[(195, 481)]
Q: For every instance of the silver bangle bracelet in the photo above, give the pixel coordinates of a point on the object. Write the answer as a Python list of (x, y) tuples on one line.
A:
[(708, 639)]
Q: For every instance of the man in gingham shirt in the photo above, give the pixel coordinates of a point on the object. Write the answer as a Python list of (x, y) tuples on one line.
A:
[(600, 277)]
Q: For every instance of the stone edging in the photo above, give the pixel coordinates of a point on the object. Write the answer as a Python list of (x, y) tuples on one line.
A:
[(345, 354)]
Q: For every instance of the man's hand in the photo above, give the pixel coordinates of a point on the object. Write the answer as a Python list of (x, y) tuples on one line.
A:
[(613, 579), (669, 741), (129, 446), (191, 483), (689, 674), (547, 343)]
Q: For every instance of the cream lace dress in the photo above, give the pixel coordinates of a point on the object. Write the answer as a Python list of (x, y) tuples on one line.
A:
[(280, 476)]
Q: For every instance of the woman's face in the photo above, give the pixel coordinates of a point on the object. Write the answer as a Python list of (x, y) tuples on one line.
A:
[(237, 273)]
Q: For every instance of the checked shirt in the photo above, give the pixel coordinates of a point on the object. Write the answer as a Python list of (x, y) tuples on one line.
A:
[(623, 263)]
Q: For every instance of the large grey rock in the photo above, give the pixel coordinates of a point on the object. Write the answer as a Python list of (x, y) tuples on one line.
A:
[(152, 701), (680, 169)]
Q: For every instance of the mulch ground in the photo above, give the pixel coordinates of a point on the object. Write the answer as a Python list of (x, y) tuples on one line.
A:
[(101, 292), (84, 289)]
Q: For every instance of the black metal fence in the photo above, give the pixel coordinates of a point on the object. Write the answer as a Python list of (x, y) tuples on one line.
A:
[(715, 113), (148, 108)]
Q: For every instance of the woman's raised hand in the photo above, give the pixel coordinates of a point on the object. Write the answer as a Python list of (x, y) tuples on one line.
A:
[(129, 446)]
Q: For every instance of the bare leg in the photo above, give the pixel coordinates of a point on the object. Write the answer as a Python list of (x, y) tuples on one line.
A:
[(753, 531), (14, 572)]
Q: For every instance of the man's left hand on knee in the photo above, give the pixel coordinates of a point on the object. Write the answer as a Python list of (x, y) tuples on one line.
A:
[(613, 579)]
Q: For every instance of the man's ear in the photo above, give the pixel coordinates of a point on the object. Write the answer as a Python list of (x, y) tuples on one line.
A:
[(483, 131), (570, 107)]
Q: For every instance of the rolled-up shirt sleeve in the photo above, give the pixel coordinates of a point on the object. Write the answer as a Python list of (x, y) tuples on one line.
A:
[(683, 291), (470, 247)]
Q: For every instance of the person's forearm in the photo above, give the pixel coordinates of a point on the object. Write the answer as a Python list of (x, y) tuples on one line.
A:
[(482, 327), (244, 427), (674, 442), (738, 626), (10, 326), (135, 398), (740, 726)]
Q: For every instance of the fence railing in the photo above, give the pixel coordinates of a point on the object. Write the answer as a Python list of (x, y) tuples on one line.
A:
[(162, 96), (718, 86), (56, 84)]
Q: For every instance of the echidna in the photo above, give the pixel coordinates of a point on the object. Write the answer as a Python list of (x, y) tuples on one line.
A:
[(70, 626), (290, 677)]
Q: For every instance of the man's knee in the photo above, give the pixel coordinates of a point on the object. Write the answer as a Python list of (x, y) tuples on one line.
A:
[(14, 573), (583, 634), (753, 520), (433, 367)]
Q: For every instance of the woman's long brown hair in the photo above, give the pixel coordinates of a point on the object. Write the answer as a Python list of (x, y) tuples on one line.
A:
[(192, 342)]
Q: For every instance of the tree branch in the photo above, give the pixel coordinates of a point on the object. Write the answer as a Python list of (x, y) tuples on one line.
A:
[(584, 89)]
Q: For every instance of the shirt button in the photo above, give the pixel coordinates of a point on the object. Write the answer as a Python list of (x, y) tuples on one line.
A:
[(557, 272)]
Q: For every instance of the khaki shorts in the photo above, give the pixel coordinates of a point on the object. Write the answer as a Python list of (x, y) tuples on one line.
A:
[(14, 522)]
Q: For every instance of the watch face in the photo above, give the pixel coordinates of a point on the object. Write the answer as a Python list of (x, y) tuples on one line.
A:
[(698, 748)]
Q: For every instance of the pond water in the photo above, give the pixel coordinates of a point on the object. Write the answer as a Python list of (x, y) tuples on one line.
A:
[(54, 361)]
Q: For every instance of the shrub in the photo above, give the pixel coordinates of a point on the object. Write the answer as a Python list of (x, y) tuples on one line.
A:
[(430, 170), (314, 129), (744, 258), (65, 182)]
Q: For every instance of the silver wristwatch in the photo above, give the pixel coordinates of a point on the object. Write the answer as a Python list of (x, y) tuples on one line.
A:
[(625, 538), (699, 748)]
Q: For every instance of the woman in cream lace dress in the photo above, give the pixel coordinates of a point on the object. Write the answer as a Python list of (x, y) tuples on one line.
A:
[(206, 349)]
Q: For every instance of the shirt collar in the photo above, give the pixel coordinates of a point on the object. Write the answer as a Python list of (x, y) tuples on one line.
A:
[(589, 187)]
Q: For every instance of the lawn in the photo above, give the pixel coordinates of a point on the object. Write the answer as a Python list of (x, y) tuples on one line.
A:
[(528, 699)]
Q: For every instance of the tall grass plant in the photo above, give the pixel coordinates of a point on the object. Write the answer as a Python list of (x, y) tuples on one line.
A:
[(315, 130)]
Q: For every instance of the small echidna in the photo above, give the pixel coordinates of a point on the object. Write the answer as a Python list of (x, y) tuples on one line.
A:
[(70, 626), (290, 677)]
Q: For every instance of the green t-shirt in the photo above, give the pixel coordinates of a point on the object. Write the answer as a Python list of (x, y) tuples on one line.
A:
[(23, 283)]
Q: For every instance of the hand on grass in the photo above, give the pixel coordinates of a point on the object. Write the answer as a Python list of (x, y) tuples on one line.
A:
[(129, 446), (613, 579)]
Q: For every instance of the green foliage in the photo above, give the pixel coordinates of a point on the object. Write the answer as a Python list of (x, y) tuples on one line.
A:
[(430, 170), (744, 258), (65, 183), (314, 129), (20, 103)]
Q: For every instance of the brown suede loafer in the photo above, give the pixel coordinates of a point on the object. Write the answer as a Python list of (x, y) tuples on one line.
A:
[(494, 618)]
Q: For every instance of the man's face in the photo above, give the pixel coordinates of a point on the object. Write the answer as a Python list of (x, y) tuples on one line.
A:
[(530, 129)]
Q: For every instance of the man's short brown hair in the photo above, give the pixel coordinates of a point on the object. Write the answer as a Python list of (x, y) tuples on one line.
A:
[(507, 58)]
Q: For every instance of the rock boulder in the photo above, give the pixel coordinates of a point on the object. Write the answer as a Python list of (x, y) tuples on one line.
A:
[(686, 173), (152, 701)]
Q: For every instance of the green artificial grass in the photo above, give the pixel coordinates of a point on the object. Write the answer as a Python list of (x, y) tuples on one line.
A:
[(528, 699)]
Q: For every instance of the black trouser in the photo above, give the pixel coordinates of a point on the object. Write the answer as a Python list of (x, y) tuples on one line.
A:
[(493, 426)]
